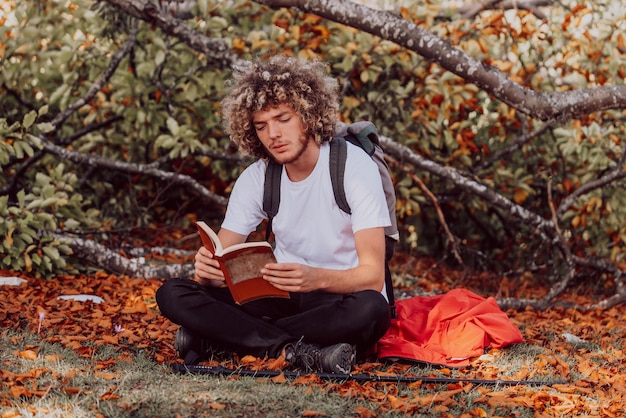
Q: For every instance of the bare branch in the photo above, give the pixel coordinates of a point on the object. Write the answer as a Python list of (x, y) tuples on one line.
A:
[(101, 256), (147, 170), (442, 219), (101, 81), (617, 173), (618, 275), (561, 242), (516, 144)]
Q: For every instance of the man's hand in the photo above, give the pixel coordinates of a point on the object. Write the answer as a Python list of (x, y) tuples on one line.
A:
[(292, 277), (208, 271)]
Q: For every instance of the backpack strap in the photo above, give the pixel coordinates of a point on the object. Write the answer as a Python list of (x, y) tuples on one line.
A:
[(271, 193), (390, 247), (338, 156)]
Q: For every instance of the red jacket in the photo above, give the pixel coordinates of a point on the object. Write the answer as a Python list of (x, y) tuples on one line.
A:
[(446, 329)]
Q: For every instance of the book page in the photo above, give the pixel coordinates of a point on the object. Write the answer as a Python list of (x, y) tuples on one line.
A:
[(209, 238), (248, 264), (254, 244)]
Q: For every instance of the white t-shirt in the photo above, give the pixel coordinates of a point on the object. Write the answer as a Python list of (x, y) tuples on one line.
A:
[(309, 227)]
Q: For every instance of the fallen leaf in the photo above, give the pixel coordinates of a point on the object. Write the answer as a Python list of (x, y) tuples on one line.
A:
[(28, 355)]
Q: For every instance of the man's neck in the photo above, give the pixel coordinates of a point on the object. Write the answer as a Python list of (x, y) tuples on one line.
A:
[(301, 168)]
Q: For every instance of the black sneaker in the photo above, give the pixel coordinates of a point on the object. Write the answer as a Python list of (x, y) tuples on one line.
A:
[(189, 347), (338, 358)]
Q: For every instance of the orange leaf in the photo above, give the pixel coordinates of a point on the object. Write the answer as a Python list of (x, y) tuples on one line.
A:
[(279, 379), (12, 413), (478, 412), (71, 390), (277, 364), (110, 339), (19, 391), (106, 376), (109, 396), (248, 359), (520, 195), (28, 355), (363, 412), (310, 413)]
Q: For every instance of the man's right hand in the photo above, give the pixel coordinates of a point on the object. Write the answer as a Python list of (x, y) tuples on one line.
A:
[(207, 269)]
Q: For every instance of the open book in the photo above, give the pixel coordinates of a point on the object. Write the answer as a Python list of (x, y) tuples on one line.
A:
[(242, 264)]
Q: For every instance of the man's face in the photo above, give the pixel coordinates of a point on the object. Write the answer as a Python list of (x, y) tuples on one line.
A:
[(281, 132)]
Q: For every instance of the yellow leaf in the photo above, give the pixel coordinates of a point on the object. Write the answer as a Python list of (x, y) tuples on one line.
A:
[(520, 196), (503, 66)]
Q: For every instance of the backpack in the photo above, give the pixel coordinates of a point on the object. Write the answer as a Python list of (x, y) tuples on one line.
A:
[(365, 136)]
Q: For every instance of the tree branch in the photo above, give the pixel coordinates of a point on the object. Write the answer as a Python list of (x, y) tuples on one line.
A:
[(215, 49), (541, 105), (617, 173), (101, 81), (442, 219), (516, 144), (101, 256), (404, 154), (148, 170)]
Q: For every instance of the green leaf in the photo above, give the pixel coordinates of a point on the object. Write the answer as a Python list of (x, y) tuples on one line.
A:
[(203, 6), (172, 125), (35, 140), (45, 127), (51, 252), (29, 119), (159, 57), (43, 110)]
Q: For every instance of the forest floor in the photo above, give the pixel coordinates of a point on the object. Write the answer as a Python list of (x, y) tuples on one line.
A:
[(578, 354)]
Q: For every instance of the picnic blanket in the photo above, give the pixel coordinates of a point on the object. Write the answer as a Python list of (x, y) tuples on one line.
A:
[(447, 329)]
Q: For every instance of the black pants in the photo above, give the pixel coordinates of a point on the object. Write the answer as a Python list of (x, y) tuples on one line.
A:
[(263, 327)]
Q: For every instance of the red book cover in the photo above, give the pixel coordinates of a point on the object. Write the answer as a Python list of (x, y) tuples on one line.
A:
[(242, 264)]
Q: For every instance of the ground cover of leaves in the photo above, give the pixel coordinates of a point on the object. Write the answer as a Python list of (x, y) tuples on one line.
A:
[(582, 350)]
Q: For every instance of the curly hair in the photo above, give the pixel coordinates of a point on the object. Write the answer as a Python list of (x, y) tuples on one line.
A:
[(262, 84)]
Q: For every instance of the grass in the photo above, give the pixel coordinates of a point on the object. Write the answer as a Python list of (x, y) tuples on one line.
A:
[(58, 382), (137, 386)]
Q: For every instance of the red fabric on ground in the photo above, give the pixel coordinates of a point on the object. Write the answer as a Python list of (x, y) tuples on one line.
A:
[(447, 329)]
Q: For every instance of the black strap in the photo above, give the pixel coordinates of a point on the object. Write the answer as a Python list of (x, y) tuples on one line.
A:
[(338, 156), (271, 193), (390, 247)]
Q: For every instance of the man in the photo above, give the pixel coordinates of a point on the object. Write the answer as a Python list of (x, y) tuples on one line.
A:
[(332, 263)]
